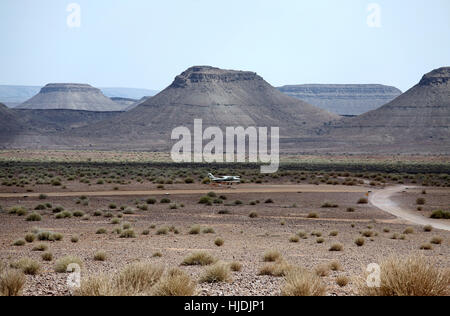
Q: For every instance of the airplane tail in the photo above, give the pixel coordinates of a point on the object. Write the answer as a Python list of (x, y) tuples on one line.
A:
[(211, 176)]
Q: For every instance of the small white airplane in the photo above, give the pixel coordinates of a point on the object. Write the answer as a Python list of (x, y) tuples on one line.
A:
[(225, 179)]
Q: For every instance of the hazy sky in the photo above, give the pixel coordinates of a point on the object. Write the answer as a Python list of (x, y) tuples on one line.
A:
[(146, 43)]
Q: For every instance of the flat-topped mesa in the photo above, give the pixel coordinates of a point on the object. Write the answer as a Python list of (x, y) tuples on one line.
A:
[(436, 77), (208, 74), (416, 121), (220, 98), (71, 96), (69, 87)]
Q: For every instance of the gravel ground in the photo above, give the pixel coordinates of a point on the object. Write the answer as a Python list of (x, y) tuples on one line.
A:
[(246, 239)]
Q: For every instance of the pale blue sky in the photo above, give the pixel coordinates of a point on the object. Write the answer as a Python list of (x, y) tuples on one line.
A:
[(145, 43)]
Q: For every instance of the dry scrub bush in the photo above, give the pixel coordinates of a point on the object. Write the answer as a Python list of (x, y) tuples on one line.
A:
[(236, 266), (219, 242), (11, 282), (100, 256), (277, 269), (337, 247), (272, 256), (335, 266), (342, 281), (301, 282), (63, 263), (217, 273), (174, 283), (408, 231), (322, 270), (139, 279), (436, 240), (200, 258), (195, 230), (412, 276), (27, 266)]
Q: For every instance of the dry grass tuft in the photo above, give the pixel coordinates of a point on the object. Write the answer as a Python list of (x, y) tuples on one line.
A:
[(337, 247), (436, 240), (412, 276), (100, 256), (63, 263), (236, 266), (408, 231), (47, 256), (217, 273), (426, 247), (322, 270), (360, 242), (219, 242), (174, 283), (27, 266), (335, 266), (342, 281), (11, 282), (139, 279), (277, 269), (272, 256), (301, 282), (98, 285), (195, 230), (200, 258)]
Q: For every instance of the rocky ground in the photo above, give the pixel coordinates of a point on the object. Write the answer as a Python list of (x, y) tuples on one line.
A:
[(246, 239)]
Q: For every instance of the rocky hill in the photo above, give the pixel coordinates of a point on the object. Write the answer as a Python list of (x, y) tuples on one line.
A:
[(220, 97), (10, 125), (124, 102), (416, 121), (350, 99), (71, 96)]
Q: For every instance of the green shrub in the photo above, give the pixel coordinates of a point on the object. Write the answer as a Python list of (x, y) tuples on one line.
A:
[(30, 238), (440, 214), (205, 200), (47, 256), (34, 217), (129, 233)]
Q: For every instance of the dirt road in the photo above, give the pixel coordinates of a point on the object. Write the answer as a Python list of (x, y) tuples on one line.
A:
[(382, 200), (219, 190)]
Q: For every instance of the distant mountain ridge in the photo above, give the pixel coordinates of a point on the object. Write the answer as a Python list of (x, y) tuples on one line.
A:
[(343, 99), (71, 96), (417, 120), (219, 97), (14, 95)]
